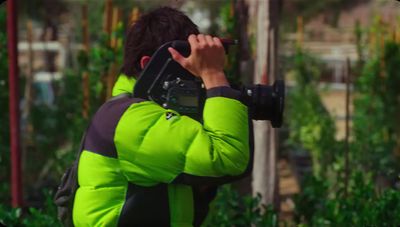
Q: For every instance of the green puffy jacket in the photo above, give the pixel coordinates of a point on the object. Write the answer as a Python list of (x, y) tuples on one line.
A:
[(149, 166)]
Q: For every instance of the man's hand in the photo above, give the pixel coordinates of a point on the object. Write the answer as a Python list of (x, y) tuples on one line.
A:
[(206, 60)]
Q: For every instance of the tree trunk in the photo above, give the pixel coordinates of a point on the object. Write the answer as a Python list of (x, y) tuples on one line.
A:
[(265, 180)]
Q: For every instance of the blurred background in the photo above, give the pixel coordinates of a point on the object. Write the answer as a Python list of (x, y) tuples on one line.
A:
[(335, 162)]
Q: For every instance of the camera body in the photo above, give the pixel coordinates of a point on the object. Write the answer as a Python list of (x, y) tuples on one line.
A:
[(167, 83)]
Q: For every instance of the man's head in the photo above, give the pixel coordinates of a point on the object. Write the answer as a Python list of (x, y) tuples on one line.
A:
[(150, 32)]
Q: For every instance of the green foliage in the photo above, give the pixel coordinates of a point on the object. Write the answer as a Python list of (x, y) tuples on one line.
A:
[(4, 129), (363, 206), (311, 199), (377, 107), (59, 149), (229, 30), (232, 209), (311, 126), (43, 217), (374, 150), (359, 34), (32, 217), (10, 216), (57, 127)]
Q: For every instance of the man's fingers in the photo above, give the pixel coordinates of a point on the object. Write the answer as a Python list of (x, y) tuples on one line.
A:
[(217, 41), (193, 42), (177, 56), (202, 40), (209, 40), (192, 38)]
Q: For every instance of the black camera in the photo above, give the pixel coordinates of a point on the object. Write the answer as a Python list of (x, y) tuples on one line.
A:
[(167, 83)]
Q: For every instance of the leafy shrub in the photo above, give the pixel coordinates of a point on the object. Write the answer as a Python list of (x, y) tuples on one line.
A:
[(363, 206), (377, 107), (310, 124), (232, 209), (32, 216), (57, 149), (4, 129), (374, 150)]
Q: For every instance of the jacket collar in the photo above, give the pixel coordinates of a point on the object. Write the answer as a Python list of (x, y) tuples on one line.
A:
[(124, 84)]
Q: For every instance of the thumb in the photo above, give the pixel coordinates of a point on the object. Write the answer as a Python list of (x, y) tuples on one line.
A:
[(177, 56)]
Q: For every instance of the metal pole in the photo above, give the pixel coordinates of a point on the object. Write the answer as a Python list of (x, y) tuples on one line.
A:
[(12, 40)]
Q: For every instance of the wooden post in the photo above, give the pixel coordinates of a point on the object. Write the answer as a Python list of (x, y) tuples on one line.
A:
[(107, 17), (85, 74), (85, 27), (382, 57), (265, 180), (114, 24), (29, 75), (300, 32), (107, 28), (112, 74), (135, 14), (113, 70), (27, 140), (397, 30), (347, 135), (28, 93)]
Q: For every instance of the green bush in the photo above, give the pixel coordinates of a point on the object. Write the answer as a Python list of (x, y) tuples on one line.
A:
[(311, 126), (377, 107), (57, 149), (374, 150), (32, 216), (4, 129), (232, 209), (363, 206)]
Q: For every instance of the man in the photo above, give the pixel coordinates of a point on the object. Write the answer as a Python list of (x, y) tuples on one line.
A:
[(141, 167)]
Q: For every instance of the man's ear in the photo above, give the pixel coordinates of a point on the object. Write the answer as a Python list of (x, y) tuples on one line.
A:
[(144, 60)]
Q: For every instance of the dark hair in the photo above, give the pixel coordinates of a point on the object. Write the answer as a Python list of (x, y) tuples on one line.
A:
[(152, 30)]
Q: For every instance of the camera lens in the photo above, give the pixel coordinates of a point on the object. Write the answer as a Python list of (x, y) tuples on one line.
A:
[(266, 102)]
